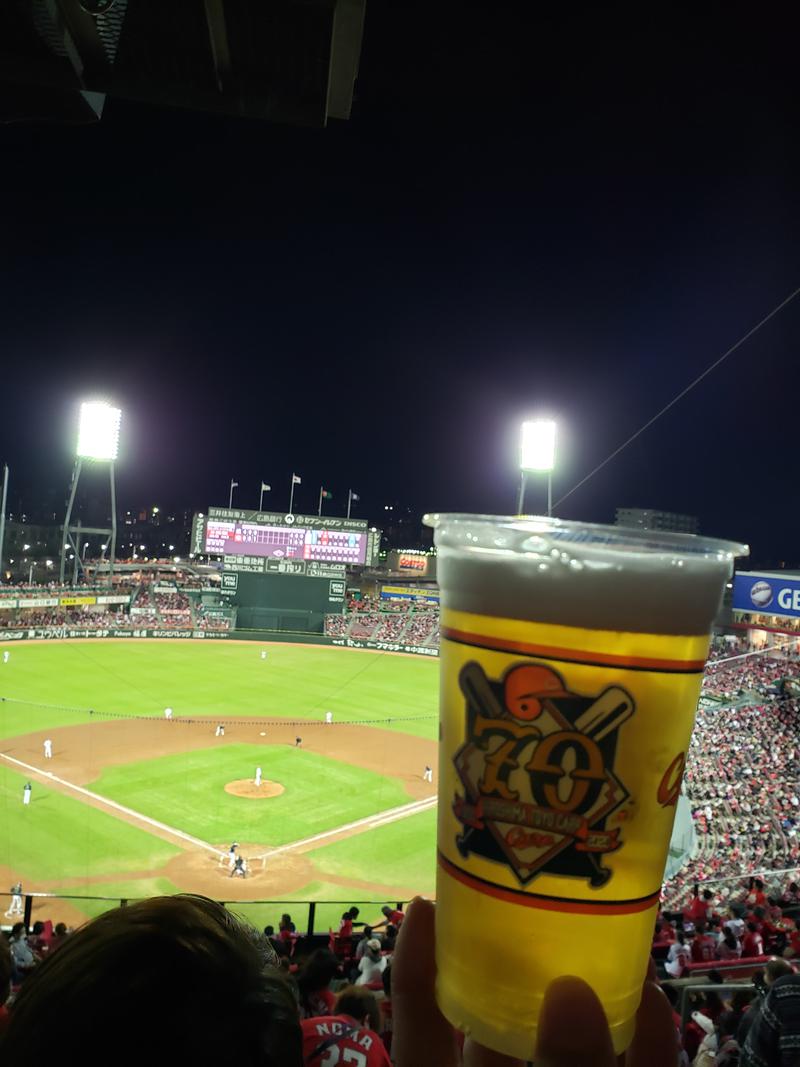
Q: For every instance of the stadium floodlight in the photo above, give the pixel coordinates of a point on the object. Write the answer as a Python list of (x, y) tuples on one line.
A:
[(98, 442), (98, 433), (537, 448), (537, 452)]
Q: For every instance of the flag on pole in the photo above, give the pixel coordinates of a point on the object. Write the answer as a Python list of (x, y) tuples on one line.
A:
[(296, 479), (354, 496), (327, 495), (265, 488), (234, 485)]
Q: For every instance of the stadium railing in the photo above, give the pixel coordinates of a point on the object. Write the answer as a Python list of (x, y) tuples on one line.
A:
[(312, 918)]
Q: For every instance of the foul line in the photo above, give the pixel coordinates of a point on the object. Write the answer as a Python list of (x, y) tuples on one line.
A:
[(48, 776), (380, 818)]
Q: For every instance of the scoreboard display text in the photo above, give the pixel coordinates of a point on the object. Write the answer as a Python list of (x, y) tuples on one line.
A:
[(258, 535)]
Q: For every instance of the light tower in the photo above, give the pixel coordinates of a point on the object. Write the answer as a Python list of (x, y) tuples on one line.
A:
[(537, 452), (98, 442)]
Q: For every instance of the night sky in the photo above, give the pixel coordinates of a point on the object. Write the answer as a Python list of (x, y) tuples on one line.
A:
[(570, 216)]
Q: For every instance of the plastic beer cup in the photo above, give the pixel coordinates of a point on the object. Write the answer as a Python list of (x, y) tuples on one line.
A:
[(571, 662)]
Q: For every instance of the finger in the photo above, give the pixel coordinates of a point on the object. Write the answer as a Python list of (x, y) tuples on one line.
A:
[(655, 1043), (476, 1055), (573, 1031), (422, 1036)]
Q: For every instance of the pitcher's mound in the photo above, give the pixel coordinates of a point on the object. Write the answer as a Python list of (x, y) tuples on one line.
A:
[(246, 787)]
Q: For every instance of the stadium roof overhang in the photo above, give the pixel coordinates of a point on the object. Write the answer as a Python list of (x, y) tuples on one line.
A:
[(289, 61)]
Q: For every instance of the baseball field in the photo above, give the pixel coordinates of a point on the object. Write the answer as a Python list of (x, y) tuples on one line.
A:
[(131, 803)]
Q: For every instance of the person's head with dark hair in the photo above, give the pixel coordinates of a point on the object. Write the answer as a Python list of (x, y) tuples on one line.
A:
[(776, 969), (320, 969), (751, 926), (38, 927), (707, 894), (5, 971), (269, 931), (354, 913), (760, 913), (367, 932), (360, 1004), (759, 885), (61, 930), (730, 941), (17, 931), (177, 974), (700, 929)]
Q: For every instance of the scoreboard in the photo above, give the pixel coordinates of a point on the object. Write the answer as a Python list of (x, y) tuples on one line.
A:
[(262, 542)]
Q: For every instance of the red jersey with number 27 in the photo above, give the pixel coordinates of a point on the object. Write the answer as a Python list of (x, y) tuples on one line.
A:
[(337, 1039)]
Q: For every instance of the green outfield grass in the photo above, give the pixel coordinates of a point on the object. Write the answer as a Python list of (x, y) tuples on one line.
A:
[(57, 837), (187, 791), (216, 679), (60, 839), (387, 855)]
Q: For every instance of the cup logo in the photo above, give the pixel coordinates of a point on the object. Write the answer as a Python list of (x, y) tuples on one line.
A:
[(538, 773)]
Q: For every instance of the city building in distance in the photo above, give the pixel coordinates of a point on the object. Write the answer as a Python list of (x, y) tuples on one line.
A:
[(651, 519)]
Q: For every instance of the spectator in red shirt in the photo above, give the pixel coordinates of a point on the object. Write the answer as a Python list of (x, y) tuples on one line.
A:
[(313, 984), (352, 1031), (664, 934), (756, 897), (391, 916), (753, 943), (703, 947), (697, 910), (346, 925)]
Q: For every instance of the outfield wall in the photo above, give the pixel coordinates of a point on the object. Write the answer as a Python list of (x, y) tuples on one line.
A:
[(49, 633)]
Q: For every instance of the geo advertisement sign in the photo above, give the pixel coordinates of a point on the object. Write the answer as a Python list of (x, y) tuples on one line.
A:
[(767, 594)]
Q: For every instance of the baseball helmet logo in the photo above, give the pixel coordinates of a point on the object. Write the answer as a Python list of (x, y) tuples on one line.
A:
[(527, 686)]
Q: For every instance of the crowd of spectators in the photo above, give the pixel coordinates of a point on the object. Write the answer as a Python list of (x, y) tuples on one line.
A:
[(742, 774), (414, 624)]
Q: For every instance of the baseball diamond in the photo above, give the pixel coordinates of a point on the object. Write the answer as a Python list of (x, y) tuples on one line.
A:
[(132, 803)]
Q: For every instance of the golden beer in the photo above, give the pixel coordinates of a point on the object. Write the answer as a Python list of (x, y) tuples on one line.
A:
[(571, 663)]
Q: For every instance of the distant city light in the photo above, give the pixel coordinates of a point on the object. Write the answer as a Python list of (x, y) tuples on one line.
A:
[(177, 559), (172, 548), (98, 435), (25, 548), (537, 445), (155, 511)]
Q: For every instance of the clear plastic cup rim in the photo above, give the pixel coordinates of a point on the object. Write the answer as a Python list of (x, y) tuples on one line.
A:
[(532, 533)]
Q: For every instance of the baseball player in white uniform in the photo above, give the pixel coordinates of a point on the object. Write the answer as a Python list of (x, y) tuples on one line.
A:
[(15, 908), (220, 731), (6, 656), (258, 776), (263, 653), (48, 749), (328, 717), (427, 774), (26, 793), (232, 855), (167, 713)]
